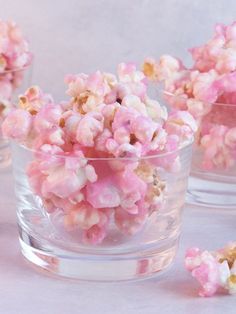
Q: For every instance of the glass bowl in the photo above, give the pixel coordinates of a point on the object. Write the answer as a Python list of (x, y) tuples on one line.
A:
[(100, 219), (12, 82), (212, 181)]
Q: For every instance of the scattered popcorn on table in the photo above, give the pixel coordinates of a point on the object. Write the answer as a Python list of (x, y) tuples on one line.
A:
[(213, 270)]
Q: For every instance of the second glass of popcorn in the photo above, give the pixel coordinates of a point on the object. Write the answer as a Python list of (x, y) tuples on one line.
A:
[(15, 74)]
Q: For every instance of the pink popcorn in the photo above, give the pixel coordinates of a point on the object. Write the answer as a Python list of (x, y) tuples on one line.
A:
[(198, 109), (155, 111), (93, 222), (132, 101), (131, 81), (97, 85), (102, 139), (213, 270), (103, 193), (216, 153), (88, 128), (123, 117), (52, 136), (181, 123), (95, 234), (124, 189), (14, 58), (131, 187), (127, 150), (127, 72), (34, 99), (70, 122), (84, 216), (143, 129), (203, 88), (63, 176), (17, 125), (218, 52), (205, 270), (130, 223), (48, 117), (87, 152), (13, 47), (162, 70), (76, 84)]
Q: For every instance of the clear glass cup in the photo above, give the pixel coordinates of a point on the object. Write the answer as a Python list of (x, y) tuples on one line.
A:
[(95, 233), (212, 181), (12, 83)]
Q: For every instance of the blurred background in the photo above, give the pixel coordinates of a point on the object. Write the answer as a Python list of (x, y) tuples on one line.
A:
[(71, 36)]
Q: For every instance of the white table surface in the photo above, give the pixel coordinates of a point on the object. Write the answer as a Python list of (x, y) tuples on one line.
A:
[(26, 291)]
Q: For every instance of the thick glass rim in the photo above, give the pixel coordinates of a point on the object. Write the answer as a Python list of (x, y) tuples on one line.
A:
[(181, 97), (186, 144)]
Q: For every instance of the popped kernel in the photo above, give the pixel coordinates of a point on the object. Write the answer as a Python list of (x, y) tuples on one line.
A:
[(213, 270)]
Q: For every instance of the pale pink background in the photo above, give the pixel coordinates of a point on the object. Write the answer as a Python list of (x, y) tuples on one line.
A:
[(85, 35)]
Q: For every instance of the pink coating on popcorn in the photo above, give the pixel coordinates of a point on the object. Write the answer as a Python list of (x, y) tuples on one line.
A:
[(87, 152), (204, 268), (34, 99), (103, 193), (130, 223), (14, 58), (90, 125), (204, 90), (216, 152), (18, 125), (48, 117), (14, 50), (181, 123), (213, 270)]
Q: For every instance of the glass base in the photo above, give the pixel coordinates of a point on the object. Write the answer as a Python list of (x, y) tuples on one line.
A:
[(208, 191), (5, 154), (126, 266)]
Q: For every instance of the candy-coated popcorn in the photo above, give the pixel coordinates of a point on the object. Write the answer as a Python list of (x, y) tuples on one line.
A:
[(213, 270), (14, 50), (204, 90), (93, 154), (131, 223), (34, 99), (47, 118), (90, 125), (216, 152), (14, 57), (181, 123), (18, 125), (103, 193), (155, 111)]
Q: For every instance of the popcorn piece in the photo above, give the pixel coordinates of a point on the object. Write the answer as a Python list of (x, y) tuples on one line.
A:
[(181, 123), (17, 125), (213, 270), (14, 57)]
